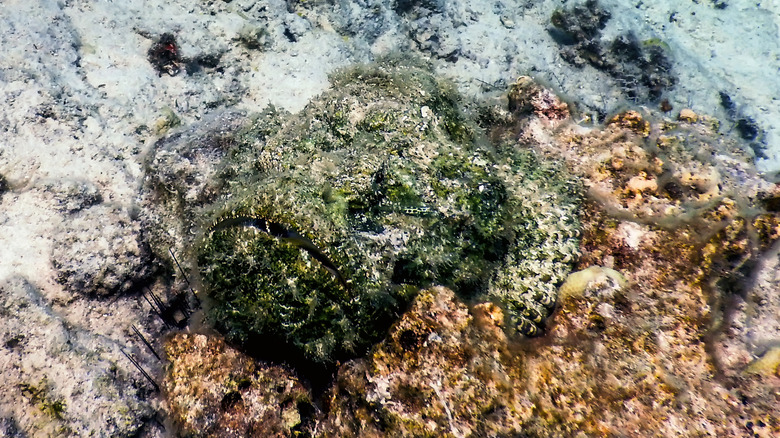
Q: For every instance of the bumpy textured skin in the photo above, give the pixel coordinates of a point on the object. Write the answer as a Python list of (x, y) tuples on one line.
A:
[(393, 184)]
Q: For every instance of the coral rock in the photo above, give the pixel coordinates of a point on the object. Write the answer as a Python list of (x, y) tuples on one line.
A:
[(101, 251), (441, 371), (212, 390)]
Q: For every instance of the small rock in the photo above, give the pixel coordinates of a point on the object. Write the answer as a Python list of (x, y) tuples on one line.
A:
[(578, 282), (100, 251), (507, 22), (687, 115)]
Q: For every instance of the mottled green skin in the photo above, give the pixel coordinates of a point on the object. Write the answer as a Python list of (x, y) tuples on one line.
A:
[(388, 178)]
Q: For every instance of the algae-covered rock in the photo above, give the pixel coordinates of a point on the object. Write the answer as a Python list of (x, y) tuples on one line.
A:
[(213, 390), (330, 221)]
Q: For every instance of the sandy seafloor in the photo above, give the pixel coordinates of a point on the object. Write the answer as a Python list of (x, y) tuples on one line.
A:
[(82, 105)]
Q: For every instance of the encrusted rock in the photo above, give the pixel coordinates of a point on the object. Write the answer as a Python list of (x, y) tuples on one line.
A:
[(674, 215), (643, 346), (213, 390), (101, 251), (444, 370), (441, 372), (664, 172)]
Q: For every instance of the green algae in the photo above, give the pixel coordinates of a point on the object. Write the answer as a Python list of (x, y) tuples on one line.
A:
[(41, 395)]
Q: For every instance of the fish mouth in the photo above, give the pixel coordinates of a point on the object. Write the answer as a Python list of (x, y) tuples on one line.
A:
[(284, 234)]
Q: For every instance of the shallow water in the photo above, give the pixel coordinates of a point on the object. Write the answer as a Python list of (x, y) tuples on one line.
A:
[(90, 87)]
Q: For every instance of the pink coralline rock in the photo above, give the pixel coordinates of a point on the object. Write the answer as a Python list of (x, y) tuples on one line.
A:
[(213, 390)]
